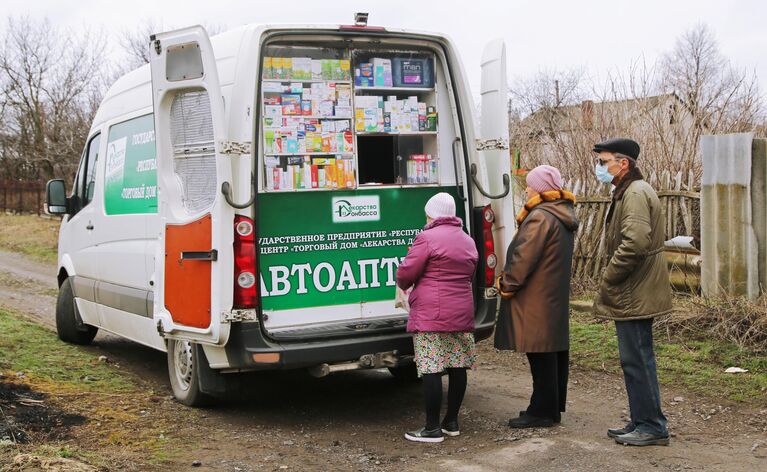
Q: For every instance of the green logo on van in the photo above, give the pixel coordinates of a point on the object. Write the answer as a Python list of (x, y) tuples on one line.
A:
[(349, 209), (131, 168)]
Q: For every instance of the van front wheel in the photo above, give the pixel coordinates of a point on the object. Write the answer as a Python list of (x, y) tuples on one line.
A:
[(183, 370), (69, 327)]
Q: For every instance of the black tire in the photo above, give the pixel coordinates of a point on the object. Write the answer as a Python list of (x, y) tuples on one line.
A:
[(68, 324), (184, 373), (405, 373)]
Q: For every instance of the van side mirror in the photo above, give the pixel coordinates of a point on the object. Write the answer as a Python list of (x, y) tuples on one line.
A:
[(56, 197)]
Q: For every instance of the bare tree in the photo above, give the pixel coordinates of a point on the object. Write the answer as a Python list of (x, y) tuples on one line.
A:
[(693, 90), (720, 98), (49, 90), (135, 42)]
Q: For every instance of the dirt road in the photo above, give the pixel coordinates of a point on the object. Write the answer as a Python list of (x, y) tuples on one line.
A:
[(355, 420)]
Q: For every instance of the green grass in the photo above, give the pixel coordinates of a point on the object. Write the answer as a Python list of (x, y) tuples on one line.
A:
[(113, 435), (30, 235), (65, 452), (43, 358), (696, 364)]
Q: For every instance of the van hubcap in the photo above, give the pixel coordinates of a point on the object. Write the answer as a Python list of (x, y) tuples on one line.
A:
[(182, 353)]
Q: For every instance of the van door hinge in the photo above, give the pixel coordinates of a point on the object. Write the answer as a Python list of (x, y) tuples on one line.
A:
[(234, 147), (238, 315), (492, 144)]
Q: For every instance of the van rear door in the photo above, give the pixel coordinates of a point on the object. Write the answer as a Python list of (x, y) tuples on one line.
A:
[(194, 260), (494, 126)]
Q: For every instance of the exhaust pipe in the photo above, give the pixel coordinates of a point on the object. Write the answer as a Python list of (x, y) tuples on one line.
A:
[(368, 361)]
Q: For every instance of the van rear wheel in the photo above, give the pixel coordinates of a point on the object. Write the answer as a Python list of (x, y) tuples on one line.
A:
[(183, 370), (69, 326)]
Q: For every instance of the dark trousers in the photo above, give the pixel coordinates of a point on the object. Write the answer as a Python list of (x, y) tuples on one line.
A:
[(432, 395), (635, 345), (550, 371)]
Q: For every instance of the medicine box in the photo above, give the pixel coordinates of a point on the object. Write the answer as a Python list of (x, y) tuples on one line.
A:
[(413, 72), (382, 72)]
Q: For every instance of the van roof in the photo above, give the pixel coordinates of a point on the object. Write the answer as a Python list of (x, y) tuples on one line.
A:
[(128, 95)]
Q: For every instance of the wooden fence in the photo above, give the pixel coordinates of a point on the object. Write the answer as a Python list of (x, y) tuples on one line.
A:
[(679, 199), (18, 196)]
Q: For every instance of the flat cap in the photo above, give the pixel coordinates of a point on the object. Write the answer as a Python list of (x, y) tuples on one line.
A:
[(625, 146)]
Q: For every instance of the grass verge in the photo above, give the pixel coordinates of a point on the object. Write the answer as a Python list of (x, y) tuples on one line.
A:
[(696, 363), (37, 353), (126, 423), (31, 235)]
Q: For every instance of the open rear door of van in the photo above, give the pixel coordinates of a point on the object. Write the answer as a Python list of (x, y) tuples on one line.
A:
[(494, 145), (194, 261)]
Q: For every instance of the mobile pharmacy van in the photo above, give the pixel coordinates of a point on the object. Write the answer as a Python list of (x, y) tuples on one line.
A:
[(243, 204)]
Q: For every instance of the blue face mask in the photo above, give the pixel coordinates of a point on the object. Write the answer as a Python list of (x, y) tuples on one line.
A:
[(603, 175)]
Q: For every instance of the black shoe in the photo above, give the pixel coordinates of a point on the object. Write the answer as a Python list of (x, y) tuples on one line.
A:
[(450, 428), (556, 420), (425, 435), (615, 432), (638, 438), (527, 421)]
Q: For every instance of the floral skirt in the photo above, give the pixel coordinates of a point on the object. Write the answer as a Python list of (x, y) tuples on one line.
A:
[(435, 352)]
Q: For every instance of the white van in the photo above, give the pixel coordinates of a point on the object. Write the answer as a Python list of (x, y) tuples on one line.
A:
[(243, 204)]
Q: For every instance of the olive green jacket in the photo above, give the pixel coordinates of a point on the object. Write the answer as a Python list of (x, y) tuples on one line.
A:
[(635, 284)]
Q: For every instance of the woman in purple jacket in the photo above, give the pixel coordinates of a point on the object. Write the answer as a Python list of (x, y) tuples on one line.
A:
[(440, 265)]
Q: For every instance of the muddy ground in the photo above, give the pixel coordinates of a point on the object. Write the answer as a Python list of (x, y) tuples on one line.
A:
[(355, 420)]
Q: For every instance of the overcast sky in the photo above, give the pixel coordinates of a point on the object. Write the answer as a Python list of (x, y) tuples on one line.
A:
[(599, 35)]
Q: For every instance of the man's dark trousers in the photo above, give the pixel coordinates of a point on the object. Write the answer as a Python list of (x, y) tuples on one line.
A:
[(635, 345)]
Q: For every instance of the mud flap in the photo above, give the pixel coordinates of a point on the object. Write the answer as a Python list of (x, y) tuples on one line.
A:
[(212, 382), (79, 325)]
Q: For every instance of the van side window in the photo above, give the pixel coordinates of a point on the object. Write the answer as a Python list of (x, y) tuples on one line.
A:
[(85, 180), (93, 156), (78, 183)]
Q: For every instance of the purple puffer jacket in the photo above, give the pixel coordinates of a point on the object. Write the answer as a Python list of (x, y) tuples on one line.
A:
[(440, 264)]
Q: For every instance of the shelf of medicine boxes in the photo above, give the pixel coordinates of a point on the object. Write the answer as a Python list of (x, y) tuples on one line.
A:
[(291, 154), (394, 133), (315, 117), (305, 81), (394, 89)]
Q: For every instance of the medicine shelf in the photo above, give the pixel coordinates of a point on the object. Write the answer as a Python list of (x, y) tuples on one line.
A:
[(317, 189), (298, 154), (409, 133), (396, 89), (303, 81), (313, 117)]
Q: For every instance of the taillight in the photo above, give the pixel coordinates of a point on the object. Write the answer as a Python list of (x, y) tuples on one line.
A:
[(245, 281), (491, 260)]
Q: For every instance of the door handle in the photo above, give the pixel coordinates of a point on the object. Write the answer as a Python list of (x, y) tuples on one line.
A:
[(226, 189), (211, 255), (506, 184), (90, 226)]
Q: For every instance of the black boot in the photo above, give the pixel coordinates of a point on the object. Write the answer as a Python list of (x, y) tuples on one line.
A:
[(557, 419), (527, 421)]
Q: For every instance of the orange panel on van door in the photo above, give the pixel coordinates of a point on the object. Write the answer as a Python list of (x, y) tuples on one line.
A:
[(187, 282)]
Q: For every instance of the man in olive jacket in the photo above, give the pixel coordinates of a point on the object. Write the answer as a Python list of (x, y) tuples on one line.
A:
[(635, 286)]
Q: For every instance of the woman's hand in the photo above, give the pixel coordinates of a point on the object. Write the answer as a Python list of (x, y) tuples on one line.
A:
[(505, 295)]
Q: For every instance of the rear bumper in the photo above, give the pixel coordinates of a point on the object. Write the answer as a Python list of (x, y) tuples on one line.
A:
[(247, 339)]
